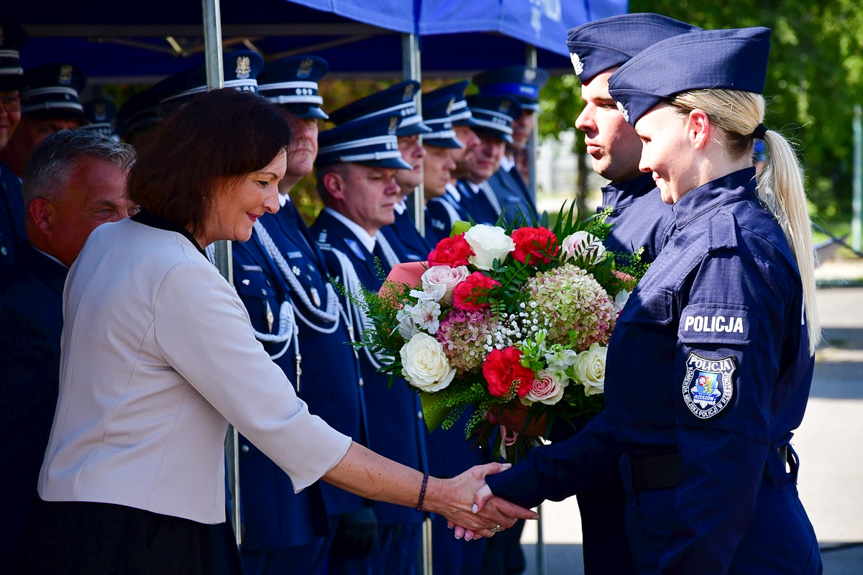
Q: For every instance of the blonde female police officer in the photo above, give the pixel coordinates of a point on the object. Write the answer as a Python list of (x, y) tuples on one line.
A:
[(710, 364)]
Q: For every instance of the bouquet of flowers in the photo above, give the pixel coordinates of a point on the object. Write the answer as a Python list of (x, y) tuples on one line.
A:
[(510, 325)]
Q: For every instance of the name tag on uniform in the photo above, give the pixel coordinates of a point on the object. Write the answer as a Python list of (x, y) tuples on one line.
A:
[(294, 255), (251, 268), (706, 323)]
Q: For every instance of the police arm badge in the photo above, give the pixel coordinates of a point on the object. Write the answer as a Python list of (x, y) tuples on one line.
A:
[(707, 386)]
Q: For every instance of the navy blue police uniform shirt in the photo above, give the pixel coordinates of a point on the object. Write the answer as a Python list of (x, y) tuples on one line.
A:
[(710, 360), (441, 215), (274, 516), (12, 235), (639, 216), (396, 428), (403, 232), (31, 313), (513, 195), (476, 204)]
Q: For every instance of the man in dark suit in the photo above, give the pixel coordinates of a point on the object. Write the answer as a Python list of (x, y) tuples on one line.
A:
[(522, 83), (74, 182), (356, 167)]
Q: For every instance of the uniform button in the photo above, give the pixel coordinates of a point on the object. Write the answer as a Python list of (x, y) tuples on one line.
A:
[(361, 382), (263, 291), (246, 282), (244, 449), (419, 414), (3, 250)]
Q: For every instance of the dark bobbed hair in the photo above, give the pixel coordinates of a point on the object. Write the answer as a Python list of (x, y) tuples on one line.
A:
[(217, 137)]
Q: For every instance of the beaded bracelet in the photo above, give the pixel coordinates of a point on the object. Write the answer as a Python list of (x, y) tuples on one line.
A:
[(423, 492)]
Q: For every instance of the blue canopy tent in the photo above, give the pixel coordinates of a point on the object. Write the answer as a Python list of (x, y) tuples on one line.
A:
[(141, 43)]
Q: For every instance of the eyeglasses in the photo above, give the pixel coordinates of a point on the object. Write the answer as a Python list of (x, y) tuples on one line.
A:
[(10, 101)]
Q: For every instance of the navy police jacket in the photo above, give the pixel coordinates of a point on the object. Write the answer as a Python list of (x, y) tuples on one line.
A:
[(640, 217), (396, 428), (513, 195), (441, 215), (273, 515), (477, 204), (709, 361), (12, 235), (403, 232)]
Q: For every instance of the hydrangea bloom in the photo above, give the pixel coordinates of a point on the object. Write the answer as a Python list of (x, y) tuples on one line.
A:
[(569, 300), (463, 335)]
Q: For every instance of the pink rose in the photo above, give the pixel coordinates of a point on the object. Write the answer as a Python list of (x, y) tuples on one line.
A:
[(446, 276), (546, 389)]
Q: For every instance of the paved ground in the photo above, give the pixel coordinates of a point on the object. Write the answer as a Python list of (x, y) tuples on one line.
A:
[(828, 441)]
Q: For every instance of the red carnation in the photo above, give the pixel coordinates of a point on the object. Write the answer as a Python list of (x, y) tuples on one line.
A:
[(472, 293), (451, 252), (503, 369), (538, 243)]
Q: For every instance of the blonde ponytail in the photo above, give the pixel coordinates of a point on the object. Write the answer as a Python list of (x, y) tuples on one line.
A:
[(780, 185), (780, 188)]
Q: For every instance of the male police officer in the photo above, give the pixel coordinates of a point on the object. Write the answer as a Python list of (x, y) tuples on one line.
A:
[(398, 99), (492, 123), (522, 83), (356, 169), (281, 276), (12, 234), (640, 217), (74, 182), (49, 103), (442, 205)]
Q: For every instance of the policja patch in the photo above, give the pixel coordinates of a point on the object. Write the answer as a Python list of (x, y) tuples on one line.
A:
[(707, 386)]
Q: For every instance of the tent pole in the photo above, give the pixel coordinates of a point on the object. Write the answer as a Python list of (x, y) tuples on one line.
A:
[(411, 70), (531, 61), (215, 81)]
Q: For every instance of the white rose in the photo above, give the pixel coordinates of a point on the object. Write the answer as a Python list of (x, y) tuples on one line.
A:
[(445, 276), (424, 364), (589, 369), (585, 245), (559, 363), (546, 389), (489, 243)]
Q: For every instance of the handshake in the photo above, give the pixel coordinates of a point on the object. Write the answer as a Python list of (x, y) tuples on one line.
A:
[(469, 505)]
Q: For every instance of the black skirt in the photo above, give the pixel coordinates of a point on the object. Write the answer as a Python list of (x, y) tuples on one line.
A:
[(102, 539)]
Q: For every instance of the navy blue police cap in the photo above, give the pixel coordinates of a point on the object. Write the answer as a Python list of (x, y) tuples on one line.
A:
[(520, 82), (293, 83), (494, 115), (368, 141), (12, 39), (734, 59), (596, 46), (460, 114), (240, 69), (397, 99), (52, 91), (101, 115), (438, 115), (140, 113)]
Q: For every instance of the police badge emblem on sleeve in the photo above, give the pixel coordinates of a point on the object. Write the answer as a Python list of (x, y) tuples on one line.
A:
[(707, 386)]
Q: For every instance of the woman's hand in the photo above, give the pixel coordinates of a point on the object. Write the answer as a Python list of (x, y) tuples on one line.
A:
[(454, 499)]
